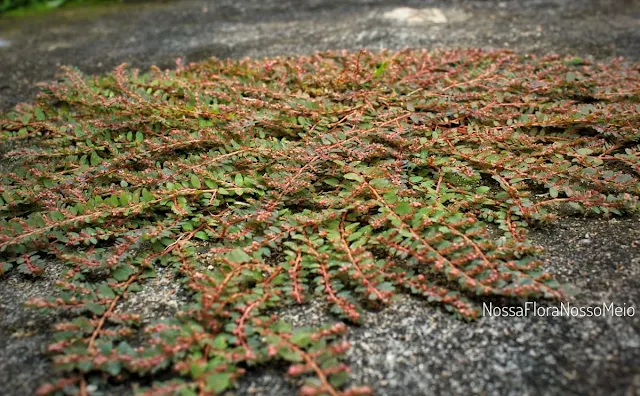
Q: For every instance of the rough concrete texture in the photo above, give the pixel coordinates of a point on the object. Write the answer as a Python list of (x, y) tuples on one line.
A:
[(410, 348)]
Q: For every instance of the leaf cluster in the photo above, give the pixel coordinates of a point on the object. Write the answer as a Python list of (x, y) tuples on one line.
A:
[(342, 176), (18, 6)]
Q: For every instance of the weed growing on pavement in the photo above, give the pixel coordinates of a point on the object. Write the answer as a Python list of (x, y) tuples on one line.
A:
[(340, 176)]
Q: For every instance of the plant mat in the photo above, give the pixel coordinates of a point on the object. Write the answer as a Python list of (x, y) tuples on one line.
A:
[(347, 177), (19, 7)]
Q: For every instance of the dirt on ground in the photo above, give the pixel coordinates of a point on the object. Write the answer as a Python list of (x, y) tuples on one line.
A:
[(410, 348)]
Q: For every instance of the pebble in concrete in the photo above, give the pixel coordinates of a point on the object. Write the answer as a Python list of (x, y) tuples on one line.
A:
[(414, 16)]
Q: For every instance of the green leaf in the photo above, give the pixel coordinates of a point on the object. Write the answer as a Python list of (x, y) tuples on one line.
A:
[(124, 198), (385, 287), (106, 347), (553, 192), (149, 273), (238, 180), (125, 349), (380, 69), (105, 291), (577, 61), (584, 151), (122, 273), (353, 176), (184, 391), (139, 137), (55, 3), (403, 208), (211, 184), (17, 227), (339, 379), (85, 366), (218, 382), (238, 256), (26, 117), (623, 178), (202, 235), (96, 308), (5, 267), (113, 367), (95, 159), (378, 183), (195, 182), (187, 226), (146, 195), (289, 354), (39, 114), (301, 338), (197, 369), (220, 342), (391, 197)]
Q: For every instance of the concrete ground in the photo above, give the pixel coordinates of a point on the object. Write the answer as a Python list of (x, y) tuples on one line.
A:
[(410, 348)]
